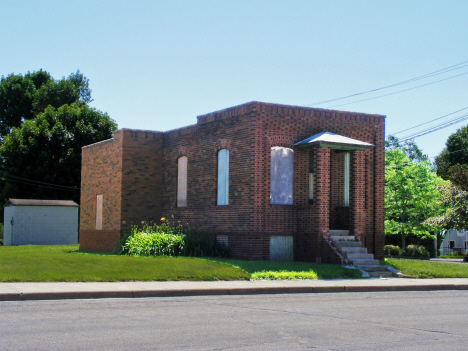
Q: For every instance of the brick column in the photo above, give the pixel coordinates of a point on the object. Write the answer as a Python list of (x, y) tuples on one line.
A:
[(321, 196), (379, 190), (357, 211)]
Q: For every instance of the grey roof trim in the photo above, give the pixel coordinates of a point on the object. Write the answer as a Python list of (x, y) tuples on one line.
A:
[(333, 141), (31, 202)]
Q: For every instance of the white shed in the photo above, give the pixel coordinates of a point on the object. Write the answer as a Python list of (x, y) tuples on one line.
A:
[(40, 222)]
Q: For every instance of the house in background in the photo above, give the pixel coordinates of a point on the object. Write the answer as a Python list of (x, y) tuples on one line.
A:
[(270, 181), (40, 222), (454, 241)]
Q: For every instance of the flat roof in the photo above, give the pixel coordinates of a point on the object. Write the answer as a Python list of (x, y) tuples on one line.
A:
[(32, 202)]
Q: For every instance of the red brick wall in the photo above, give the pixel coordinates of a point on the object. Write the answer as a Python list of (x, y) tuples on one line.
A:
[(142, 176), (126, 170), (99, 240), (101, 174), (201, 144)]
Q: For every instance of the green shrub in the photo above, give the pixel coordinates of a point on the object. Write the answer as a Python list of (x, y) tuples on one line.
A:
[(392, 250), (1, 234), (154, 244), (415, 251), (167, 239)]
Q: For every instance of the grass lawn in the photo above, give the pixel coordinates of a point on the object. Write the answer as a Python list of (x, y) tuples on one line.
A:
[(428, 269), (291, 270), (62, 263)]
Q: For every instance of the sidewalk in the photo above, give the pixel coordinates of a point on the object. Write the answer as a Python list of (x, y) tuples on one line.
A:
[(52, 291)]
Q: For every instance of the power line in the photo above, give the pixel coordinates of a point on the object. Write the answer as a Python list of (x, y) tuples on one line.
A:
[(424, 76), (432, 120), (435, 128), (400, 91), (37, 183)]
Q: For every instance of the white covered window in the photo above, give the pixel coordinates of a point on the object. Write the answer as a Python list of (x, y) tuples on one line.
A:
[(99, 200), (281, 180), (223, 177), (182, 181), (346, 179)]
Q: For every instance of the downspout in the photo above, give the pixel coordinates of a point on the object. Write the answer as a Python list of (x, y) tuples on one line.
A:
[(12, 222)]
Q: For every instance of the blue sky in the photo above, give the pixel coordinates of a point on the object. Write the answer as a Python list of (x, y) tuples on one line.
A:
[(158, 64)]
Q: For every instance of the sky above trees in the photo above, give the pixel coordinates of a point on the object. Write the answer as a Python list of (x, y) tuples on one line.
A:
[(158, 64)]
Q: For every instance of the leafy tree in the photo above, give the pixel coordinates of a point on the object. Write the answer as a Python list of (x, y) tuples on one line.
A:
[(454, 195), (411, 195), (48, 149), (409, 148), (23, 97), (455, 152)]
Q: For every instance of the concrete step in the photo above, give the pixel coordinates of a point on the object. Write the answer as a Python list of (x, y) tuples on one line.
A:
[(365, 261), (353, 249), (338, 232), (354, 256), (372, 268), (345, 243), (344, 237), (383, 274)]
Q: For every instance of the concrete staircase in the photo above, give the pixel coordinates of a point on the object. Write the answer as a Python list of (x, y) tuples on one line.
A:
[(357, 254)]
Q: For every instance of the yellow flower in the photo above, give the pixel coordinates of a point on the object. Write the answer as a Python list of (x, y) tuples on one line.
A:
[(163, 219)]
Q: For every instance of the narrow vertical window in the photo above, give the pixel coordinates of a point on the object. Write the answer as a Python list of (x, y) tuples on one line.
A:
[(223, 177), (281, 179), (99, 212), (311, 175), (346, 179), (182, 182)]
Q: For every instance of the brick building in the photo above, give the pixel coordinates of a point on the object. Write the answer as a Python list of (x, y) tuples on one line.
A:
[(269, 180)]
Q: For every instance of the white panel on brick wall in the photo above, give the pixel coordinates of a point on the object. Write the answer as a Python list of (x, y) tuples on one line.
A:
[(99, 204), (281, 248), (41, 225), (282, 174), (223, 177), (182, 182)]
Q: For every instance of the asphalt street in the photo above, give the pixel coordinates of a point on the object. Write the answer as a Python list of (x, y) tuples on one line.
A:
[(412, 320)]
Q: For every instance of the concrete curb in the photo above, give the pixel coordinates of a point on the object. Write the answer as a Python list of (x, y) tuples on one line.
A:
[(61, 295)]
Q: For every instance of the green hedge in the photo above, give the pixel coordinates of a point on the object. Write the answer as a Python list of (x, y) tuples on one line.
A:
[(167, 239), (411, 251)]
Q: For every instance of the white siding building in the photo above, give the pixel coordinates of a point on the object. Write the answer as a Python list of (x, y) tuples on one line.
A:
[(40, 222)]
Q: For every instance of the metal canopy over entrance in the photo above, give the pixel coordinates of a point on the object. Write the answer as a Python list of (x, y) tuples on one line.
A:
[(332, 141)]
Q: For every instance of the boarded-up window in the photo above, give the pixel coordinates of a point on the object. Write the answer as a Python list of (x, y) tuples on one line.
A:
[(223, 177), (182, 182), (281, 180), (99, 212), (346, 179), (281, 248)]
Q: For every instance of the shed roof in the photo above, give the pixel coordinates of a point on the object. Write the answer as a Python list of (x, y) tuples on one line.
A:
[(333, 141), (31, 202)]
